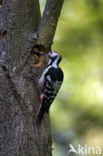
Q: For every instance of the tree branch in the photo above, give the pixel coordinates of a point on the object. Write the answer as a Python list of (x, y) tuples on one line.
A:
[(48, 23)]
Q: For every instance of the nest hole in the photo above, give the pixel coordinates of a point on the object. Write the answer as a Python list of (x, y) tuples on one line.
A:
[(39, 48)]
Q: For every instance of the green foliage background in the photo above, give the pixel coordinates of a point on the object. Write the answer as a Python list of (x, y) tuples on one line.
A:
[(77, 113)]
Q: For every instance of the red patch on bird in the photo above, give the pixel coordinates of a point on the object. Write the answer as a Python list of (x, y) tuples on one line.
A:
[(41, 97), (57, 53)]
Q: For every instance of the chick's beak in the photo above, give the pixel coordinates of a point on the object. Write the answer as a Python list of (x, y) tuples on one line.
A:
[(38, 52)]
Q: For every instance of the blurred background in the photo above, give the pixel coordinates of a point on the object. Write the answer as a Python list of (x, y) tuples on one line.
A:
[(77, 113)]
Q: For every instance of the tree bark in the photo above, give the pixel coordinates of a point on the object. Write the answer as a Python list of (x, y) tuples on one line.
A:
[(20, 31)]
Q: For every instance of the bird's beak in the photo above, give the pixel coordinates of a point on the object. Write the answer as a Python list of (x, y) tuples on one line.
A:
[(47, 55), (39, 53)]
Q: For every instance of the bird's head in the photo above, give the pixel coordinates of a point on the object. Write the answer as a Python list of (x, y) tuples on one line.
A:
[(54, 57)]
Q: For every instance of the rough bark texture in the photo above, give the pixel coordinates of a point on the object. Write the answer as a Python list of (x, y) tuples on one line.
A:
[(48, 23), (19, 96)]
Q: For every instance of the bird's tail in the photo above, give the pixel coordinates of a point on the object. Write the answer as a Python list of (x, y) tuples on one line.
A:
[(40, 115)]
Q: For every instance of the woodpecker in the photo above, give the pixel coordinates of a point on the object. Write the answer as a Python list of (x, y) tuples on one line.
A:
[(51, 80)]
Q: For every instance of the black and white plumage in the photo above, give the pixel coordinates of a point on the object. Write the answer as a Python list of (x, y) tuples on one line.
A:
[(51, 79)]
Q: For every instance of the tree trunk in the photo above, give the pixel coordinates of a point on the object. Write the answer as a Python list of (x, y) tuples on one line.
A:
[(20, 31)]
